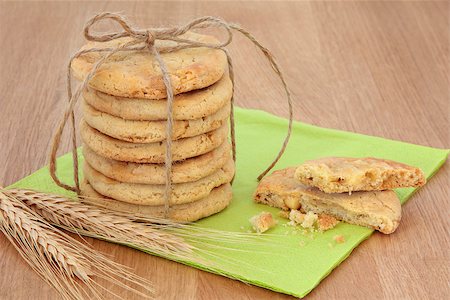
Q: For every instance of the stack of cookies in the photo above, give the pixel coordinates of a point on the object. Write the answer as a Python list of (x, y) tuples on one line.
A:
[(354, 190), (124, 130)]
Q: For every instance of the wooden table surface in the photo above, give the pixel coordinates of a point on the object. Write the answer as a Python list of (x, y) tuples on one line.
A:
[(378, 68)]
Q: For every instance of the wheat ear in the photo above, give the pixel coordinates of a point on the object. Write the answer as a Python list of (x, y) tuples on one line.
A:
[(78, 216), (158, 235), (60, 260), (181, 241)]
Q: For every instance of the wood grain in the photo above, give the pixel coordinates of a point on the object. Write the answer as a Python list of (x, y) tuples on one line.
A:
[(378, 68)]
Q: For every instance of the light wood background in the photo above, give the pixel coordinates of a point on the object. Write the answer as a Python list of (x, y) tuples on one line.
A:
[(378, 68)]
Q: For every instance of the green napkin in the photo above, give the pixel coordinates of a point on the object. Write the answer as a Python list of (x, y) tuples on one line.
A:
[(285, 260)]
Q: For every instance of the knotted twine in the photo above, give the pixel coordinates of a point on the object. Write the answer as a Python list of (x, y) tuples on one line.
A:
[(145, 40)]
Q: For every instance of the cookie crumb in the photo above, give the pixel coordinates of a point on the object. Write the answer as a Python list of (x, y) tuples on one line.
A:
[(291, 223), (296, 216), (326, 222), (283, 214), (309, 220), (339, 239), (262, 222)]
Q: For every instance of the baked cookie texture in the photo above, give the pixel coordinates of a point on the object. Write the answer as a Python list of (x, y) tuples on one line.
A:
[(262, 222), (115, 149), (136, 74), (342, 174), (124, 130), (146, 194), (280, 189), (380, 210), (326, 222), (187, 106), (191, 169), (217, 200), (152, 131)]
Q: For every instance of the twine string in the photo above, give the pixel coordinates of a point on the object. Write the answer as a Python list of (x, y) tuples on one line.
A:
[(277, 70), (145, 40)]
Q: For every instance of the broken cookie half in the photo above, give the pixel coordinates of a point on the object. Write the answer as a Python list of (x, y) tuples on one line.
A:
[(344, 174), (380, 210)]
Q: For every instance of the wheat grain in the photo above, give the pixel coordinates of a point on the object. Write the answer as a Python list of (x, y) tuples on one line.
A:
[(104, 223), (60, 260), (79, 214), (180, 241)]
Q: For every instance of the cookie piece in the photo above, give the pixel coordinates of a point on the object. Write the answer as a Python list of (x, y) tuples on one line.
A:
[(219, 198), (380, 210), (326, 222), (262, 222), (187, 106), (153, 194), (279, 189), (343, 174), (136, 74), (188, 170), (112, 148), (311, 220), (296, 216), (151, 131)]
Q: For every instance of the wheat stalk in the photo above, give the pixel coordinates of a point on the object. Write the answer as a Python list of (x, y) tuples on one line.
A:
[(60, 260), (78, 216), (19, 221), (181, 241), (153, 233)]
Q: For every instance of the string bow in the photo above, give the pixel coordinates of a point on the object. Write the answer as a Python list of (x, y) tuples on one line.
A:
[(145, 40)]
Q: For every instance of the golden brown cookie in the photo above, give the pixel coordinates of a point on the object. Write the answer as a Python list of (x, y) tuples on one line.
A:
[(219, 198), (136, 74), (187, 106), (191, 169), (151, 131), (380, 210), (279, 189), (343, 174), (153, 194), (115, 149)]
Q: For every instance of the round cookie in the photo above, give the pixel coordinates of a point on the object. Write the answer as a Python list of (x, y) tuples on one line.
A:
[(151, 131), (152, 152), (147, 194), (136, 74), (188, 170), (219, 198), (187, 106)]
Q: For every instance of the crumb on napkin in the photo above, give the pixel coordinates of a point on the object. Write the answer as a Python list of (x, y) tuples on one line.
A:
[(296, 216), (283, 214), (262, 222), (309, 220), (326, 222), (339, 239)]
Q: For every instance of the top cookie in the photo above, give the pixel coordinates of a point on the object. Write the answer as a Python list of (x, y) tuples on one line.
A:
[(136, 74), (342, 174)]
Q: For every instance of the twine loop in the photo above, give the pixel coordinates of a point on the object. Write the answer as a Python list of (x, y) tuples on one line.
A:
[(145, 40)]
